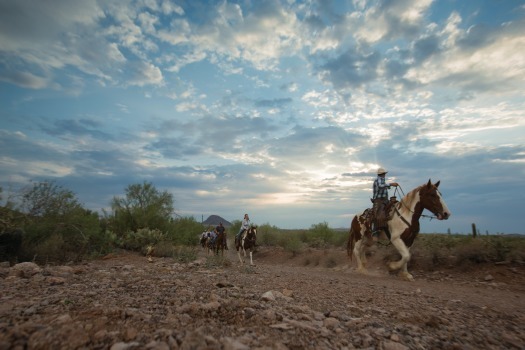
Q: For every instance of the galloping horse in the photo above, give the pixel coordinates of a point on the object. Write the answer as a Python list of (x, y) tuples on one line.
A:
[(220, 243), (246, 242), (402, 226)]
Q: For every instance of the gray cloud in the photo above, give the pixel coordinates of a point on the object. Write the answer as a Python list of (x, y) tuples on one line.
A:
[(351, 69), (76, 127)]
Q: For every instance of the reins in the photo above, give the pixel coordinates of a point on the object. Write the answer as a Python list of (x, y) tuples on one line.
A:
[(410, 210)]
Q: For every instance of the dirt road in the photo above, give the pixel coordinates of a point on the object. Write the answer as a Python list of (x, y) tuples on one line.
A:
[(314, 300)]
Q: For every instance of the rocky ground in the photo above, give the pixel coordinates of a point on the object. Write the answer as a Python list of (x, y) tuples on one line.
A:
[(314, 300)]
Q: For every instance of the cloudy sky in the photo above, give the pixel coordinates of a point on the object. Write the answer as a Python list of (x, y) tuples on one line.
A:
[(281, 109)]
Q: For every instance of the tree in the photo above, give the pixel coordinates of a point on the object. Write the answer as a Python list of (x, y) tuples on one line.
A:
[(142, 207), (47, 199), (58, 227)]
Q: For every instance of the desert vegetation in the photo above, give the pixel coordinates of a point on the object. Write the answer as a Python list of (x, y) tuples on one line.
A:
[(57, 228)]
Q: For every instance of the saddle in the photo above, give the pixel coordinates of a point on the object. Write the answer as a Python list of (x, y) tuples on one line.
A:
[(383, 215)]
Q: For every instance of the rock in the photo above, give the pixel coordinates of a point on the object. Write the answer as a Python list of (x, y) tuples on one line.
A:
[(25, 270), (268, 296), (125, 346), (391, 345), (331, 322), (488, 277)]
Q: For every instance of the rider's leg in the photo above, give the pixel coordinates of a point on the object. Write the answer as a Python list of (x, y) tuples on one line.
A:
[(238, 234), (379, 218)]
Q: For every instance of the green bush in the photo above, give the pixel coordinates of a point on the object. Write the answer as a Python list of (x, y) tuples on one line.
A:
[(138, 240), (292, 244), (184, 231), (267, 235)]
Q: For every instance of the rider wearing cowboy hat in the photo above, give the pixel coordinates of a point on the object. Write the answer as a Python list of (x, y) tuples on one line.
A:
[(380, 200)]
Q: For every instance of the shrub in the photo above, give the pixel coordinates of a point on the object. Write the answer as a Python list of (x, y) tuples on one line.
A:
[(267, 235), (185, 254), (138, 240), (292, 244), (184, 231)]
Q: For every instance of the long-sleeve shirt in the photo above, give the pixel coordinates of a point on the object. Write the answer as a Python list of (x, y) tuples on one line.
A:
[(380, 188), (245, 224)]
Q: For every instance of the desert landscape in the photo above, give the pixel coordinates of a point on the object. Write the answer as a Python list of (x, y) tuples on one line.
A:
[(311, 300)]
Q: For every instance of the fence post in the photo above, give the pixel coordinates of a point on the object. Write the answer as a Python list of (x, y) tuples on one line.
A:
[(474, 230)]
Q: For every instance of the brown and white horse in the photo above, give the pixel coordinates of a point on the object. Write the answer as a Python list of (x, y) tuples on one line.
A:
[(402, 226), (246, 242), (210, 245)]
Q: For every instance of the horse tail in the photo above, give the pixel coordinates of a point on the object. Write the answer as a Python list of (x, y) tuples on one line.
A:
[(351, 238)]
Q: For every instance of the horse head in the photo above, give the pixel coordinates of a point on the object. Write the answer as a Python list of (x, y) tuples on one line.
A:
[(431, 199), (252, 233)]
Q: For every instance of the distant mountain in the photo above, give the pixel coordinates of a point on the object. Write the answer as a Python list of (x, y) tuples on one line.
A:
[(214, 220)]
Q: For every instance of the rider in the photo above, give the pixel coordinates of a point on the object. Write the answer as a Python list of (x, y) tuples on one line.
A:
[(204, 235), (220, 229), (244, 226), (212, 235), (380, 200)]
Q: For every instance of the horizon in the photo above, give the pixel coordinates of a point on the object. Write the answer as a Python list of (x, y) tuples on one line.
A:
[(280, 109)]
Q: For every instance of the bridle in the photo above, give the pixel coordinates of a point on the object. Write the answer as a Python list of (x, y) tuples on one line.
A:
[(410, 210)]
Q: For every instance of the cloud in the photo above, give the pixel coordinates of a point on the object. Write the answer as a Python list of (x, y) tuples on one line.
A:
[(24, 79), (76, 128), (144, 73)]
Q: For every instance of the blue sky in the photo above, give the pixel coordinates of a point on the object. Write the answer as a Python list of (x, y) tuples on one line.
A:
[(280, 109)]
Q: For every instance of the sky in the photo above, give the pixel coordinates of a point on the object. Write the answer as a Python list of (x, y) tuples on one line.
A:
[(281, 109)]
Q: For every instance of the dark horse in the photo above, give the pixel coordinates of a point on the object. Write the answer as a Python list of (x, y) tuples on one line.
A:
[(246, 242), (220, 243), (402, 225)]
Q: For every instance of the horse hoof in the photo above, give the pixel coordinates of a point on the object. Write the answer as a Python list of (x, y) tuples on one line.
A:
[(406, 276)]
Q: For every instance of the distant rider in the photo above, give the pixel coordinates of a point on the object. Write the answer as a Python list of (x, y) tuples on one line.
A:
[(220, 229), (244, 226)]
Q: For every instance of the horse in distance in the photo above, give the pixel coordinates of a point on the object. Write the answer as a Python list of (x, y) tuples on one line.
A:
[(245, 243)]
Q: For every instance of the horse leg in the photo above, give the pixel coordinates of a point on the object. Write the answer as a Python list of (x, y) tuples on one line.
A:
[(251, 258), (401, 263), (360, 256), (239, 253)]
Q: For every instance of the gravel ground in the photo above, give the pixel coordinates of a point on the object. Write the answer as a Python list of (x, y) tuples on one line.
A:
[(122, 301)]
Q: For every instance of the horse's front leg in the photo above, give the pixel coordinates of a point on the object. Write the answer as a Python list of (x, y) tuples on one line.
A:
[(401, 263), (251, 258), (242, 260)]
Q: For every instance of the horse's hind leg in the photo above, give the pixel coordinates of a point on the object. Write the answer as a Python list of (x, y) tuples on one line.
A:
[(360, 256), (401, 263)]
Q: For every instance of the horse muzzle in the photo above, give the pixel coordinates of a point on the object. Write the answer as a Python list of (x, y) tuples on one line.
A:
[(443, 216)]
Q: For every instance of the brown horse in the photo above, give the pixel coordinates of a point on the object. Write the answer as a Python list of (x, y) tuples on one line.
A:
[(247, 241), (402, 226), (220, 243)]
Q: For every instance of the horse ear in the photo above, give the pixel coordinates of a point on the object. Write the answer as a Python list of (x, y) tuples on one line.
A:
[(429, 183), (437, 184)]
